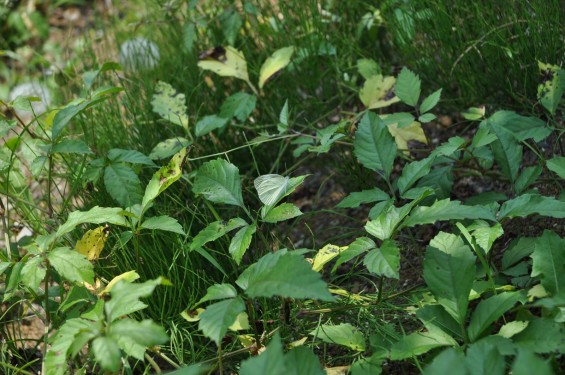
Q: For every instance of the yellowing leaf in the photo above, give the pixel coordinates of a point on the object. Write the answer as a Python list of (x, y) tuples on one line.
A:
[(326, 254), (411, 132), (377, 92), (226, 62), (241, 322), (297, 343), (351, 296), (340, 370), (129, 276), (246, 340), (92, 243), (192, 315), (278, 60)]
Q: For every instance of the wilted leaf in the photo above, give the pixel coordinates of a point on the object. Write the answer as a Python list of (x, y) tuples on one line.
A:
[(402, 136), (377, 92)]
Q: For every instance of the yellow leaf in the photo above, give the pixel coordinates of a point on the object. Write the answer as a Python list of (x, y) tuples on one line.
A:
[(92, 243), (241, 322), (126, 276), (278, 60), (351, 296), (297, 343), (340, 370), (412, 132), (226, 62), (192, 315), (377, 92), (246, 340), (326, 254)]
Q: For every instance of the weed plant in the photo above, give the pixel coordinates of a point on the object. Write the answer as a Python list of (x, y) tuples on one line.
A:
[(177, 237)]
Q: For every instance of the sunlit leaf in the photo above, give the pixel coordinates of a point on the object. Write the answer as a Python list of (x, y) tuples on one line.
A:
[(326, 254), (275, 63), (342, 334), (227, 62), (377, 92), (92, 242), (169, 104), (219, 182), (402, 136)]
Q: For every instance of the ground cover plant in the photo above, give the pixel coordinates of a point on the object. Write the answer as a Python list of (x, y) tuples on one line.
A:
[(265, 188)]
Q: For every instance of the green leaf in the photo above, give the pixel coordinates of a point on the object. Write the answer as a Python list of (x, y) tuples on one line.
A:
[(241, 241), (169, 104), (542, 336), (71, 265), (557, 165), (449, 273), (483, 358), (420, 342), (368, 68), (275, 63), (507, 151), (359, 246), (125, 297), (529, 204), (512, 328), (96, 215), (408, 87), (446, 209), (358, 198), (123, 185), (426, 117), (71, 146), (216, 319), (528, 176), (239, 105), (283, 118), (520, 127), (447, 362), (489, 310), (164, 222), (271, 188), (384, 226), (549, 262), (413, 171), (342, 334), (215, 230), (188, 36), (374, 146), (430, 101), (282, 212), (56, 358), (271, 361), (164, 178), (208, 123), (285, 275), (231, 23), (384, 261), (301, 361), (107, 353), (218, 291), (437, 316), (168, 148), (141, 334), (33, 273), (485, 235), (219, 182), (474, 113), (129, 156), (527, 363)]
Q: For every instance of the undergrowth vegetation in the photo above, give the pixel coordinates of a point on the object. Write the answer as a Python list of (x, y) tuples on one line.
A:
[(276, 187)]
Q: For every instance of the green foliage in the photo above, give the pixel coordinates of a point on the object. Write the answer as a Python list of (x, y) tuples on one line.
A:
[(254, 251)]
